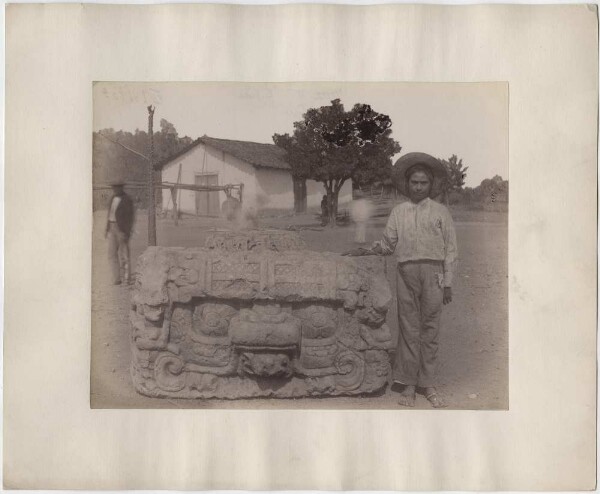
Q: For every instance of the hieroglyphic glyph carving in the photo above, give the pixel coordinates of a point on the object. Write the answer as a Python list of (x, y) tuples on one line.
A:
[(232, 324), (254, 240)]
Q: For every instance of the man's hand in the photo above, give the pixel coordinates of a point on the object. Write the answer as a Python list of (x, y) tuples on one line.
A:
[(359, 252), (447, 295)]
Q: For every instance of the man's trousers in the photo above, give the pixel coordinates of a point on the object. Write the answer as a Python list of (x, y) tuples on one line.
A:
[(118, 254), (419, 296)]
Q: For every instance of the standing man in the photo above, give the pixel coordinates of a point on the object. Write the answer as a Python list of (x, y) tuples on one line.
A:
[(118, 230), (421, 233)]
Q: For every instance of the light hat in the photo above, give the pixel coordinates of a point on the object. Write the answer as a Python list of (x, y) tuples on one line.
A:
[(435, 166)]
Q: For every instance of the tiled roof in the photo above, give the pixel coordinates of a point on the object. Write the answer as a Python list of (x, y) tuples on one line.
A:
[(256, 153)]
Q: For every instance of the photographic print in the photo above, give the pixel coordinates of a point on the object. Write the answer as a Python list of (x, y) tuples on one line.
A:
[(300, 245)]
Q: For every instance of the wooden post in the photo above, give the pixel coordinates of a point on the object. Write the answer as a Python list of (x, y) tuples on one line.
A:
[(151, 193), (174, 197), (177, 195)]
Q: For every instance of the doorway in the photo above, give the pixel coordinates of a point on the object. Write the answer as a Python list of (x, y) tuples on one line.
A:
[(207, 202)]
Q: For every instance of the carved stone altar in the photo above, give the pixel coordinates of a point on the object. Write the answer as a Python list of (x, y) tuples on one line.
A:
[(233, 323)]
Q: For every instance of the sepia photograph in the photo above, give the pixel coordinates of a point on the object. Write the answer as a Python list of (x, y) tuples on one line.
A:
[(300, 245), (270, 247)]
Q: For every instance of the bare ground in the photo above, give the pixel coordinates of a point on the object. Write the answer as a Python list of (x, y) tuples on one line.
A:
[(474, 330)]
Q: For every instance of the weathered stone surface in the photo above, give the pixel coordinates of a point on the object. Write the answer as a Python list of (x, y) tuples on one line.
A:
[(211, 323), (254, 240)]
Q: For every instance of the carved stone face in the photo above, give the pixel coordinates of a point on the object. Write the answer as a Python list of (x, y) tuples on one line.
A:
[(318, 321), (265, 364), (153, 313), (370, 317), (265, 325), (212, 319)]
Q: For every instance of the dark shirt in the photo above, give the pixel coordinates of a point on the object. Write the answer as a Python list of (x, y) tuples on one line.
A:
[(124, 213)]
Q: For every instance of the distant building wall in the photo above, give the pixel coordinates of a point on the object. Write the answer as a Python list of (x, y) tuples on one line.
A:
[(264, 188), (204, 160)]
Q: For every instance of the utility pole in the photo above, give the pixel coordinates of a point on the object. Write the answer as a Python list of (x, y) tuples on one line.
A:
[(151, 194)]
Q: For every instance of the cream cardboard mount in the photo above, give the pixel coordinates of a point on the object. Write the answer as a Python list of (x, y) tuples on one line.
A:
[(254, 314)]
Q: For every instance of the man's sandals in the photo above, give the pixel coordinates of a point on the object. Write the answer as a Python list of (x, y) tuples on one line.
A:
[(409, 400), (436, 400)]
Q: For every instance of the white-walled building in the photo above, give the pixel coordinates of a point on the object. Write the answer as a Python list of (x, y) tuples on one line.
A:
[(262, 168)]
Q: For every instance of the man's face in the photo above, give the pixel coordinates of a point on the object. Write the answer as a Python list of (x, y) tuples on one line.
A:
[(419, 186)]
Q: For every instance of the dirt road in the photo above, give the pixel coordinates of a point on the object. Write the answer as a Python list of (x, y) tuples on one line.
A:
[(474, 335)]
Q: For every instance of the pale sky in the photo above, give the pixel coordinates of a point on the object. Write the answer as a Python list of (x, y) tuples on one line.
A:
[(469, 120)]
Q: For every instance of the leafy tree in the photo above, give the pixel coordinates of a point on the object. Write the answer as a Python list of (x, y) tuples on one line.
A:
[(166, 141), (109, 158), (167, 127), (489, 191), (456, 175), (492, 190), (331, 145)]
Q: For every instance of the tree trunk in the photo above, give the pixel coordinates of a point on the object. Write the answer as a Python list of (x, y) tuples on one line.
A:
[(336, 194), (332, 208), (333, 202)]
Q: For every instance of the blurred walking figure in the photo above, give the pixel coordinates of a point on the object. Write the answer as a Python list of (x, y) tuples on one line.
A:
[(118, 231), (231, 207), (250, 219), (361, 211)]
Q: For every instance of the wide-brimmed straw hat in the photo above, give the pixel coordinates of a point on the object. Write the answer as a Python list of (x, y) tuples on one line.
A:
[(435, 166)]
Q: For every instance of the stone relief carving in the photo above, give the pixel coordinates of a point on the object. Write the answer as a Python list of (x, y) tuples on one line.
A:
[(218, 323)]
